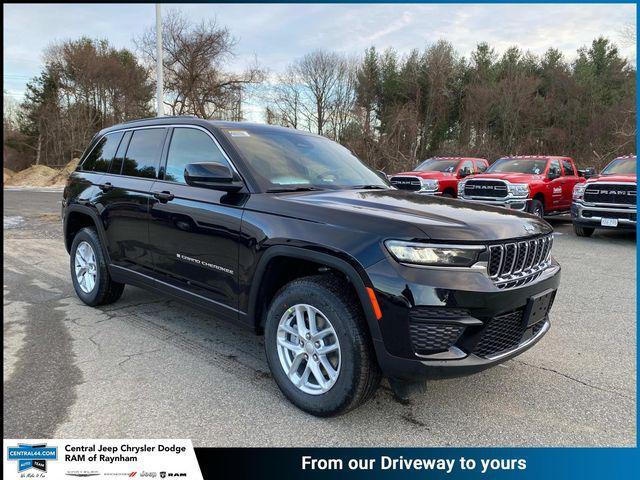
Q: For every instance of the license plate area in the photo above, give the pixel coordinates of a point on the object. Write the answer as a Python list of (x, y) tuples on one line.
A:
[(538, 307), (609, 222)]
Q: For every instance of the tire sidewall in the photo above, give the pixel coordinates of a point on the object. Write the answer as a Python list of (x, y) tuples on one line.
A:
[(89, 236), (343, 390), (536, 206)]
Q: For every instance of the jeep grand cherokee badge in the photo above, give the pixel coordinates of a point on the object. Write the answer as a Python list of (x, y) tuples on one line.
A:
[(287, 233)]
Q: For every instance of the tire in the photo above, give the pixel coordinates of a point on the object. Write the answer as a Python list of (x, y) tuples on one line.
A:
[(448, 195), (583, 231), (537, 208), (102, 290), (358, 374)]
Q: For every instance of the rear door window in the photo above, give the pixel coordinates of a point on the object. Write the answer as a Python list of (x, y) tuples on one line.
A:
[(100, 157), (143, 155), (116, 163)]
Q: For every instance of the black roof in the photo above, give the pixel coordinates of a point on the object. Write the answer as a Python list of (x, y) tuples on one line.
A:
[(193, 120)]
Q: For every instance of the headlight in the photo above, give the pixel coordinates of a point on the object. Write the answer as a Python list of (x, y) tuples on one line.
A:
[(578, 191), (429, 184), (519, 189), (441, 255)]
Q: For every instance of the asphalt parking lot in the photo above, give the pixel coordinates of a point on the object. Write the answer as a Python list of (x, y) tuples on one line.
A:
[(149, 367)]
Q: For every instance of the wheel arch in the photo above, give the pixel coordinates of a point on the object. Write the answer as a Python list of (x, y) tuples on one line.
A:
[(78, 217), (260, 284)]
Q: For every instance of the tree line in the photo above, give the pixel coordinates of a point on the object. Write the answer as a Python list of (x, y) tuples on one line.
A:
[(391, 110)]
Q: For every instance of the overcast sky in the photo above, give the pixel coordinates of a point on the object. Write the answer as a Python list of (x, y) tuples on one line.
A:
[(277, 34)]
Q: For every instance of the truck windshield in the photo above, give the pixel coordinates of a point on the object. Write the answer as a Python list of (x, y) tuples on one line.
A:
[(621, 166), (282, 160), (436, 165), (532, 166)]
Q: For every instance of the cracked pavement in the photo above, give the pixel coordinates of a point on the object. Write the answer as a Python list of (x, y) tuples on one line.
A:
[(148, 367)]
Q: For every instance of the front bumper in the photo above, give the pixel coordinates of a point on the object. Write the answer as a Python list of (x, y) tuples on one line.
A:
[(519, 204), (467, 303), (590, 215)]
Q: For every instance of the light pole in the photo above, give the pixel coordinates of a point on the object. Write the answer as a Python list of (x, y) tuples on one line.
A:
[(159, 79)]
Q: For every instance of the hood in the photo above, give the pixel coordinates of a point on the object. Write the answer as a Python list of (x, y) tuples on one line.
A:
[(613, 178), (509, 177), (436, 175), (397, 213)]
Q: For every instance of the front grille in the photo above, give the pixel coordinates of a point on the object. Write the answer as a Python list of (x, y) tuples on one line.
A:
[(412, 184), (503, 333), (516, 263), (602, 214), (610, 193), (485, 188)]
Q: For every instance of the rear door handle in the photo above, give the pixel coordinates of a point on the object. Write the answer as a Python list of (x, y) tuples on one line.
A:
[(105, 187), (164, 196)]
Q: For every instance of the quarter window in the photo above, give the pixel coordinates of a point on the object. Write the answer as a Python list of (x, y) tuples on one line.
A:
[(100, 157), (189, 145), (143, 154)]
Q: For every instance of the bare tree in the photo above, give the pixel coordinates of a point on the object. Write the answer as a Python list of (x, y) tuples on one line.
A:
[(194, 59)]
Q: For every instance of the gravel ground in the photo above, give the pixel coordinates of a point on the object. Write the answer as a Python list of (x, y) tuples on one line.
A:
[(148, 367)]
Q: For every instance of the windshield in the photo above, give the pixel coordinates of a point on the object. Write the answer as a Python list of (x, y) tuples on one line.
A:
[(532, 166), (621, 166), (436, 165), (281, 160)]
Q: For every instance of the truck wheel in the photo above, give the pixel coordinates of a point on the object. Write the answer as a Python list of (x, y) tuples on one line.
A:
[(583, 231), (89, 272), (537, 208), (318, 347)]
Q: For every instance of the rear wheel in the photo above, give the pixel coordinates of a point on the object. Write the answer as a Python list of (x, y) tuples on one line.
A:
[(537, 208), (583, 231), (89, 272), (318, 348)]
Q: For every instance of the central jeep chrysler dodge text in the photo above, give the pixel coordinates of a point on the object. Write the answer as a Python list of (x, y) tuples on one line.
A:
[(537, 184), (439, 175), (289, 234)]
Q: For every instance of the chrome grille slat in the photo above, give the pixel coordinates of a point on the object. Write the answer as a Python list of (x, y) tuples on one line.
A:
[(517, 263)]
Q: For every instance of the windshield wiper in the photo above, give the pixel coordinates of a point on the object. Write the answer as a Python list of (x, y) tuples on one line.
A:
[(293, 189)]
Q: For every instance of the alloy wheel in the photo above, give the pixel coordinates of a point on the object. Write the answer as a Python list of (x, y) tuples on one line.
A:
[(86, 267), (308, 349)]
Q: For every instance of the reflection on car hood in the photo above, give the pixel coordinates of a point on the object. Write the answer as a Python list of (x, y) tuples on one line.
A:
[(439, 218), (435, 175)]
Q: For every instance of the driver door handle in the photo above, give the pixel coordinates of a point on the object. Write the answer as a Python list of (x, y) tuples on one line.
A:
[(105, 187), (164, 196)]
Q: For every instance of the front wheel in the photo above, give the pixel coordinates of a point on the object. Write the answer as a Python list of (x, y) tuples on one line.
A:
[(318, 347), (537, 208), (583, 231)]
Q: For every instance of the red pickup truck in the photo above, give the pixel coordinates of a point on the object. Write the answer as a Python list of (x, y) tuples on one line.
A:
[(607, 200), (439, 175), (536, 184)]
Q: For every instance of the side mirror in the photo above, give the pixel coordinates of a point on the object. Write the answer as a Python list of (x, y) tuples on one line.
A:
[(587, 172), (212, 175), (553, 174), (382, 175)]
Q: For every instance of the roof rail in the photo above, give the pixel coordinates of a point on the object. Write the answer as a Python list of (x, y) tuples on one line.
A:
[(157, 118)]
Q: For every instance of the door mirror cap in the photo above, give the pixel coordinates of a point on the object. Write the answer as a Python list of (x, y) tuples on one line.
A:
[(215, 176), (464, 172)]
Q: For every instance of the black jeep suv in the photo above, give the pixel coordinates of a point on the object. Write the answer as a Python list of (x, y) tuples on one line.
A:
[(288, 233)]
